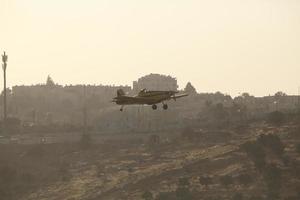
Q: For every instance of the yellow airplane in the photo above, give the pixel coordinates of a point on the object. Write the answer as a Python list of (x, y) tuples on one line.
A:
[(145, 97)]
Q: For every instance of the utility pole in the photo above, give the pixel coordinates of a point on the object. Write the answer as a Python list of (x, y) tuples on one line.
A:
[(4, 65), (84, 110), (298, 100)]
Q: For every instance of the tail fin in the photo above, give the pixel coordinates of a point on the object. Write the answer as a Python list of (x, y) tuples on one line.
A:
[(120, 92)]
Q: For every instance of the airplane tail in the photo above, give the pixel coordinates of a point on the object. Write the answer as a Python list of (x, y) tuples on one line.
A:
[(120, 92)]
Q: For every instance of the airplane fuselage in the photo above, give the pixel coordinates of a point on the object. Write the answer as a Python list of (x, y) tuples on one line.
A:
[(145, 97)]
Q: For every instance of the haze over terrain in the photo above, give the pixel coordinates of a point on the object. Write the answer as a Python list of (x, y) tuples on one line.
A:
[(230, 46)]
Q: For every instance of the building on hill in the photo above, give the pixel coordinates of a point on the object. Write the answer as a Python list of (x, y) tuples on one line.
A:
[(155, 82)]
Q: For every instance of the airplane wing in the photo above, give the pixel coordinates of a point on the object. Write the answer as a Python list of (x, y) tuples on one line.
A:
[(134, 100), (179, 96)]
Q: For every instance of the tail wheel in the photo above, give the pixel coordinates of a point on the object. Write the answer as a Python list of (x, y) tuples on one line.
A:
[(154, 107), (165, 106)]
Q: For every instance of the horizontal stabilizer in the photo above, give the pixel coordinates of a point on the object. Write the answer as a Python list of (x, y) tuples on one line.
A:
[(179, 96)]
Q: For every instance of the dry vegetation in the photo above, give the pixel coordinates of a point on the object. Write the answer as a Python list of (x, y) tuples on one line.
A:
[(261, 161)]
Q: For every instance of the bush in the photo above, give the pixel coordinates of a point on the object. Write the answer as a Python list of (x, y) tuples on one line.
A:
[(64, 172), (183, 182), (238, 196), (205, 180), (277, 118), (272, 177), (147, 195), (165, 196), (36, 151), (256, 197), (27, 178), (272, 142), (298, 148), (183, 194), (245, 179), (85, 141), (189, 134), (226, 180), (153, 140), (7, 175), (256, 153)]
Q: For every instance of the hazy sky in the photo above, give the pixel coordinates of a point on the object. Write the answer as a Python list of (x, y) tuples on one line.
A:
[(230, 46)]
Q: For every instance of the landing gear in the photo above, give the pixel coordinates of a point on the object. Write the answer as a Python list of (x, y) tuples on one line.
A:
[(165, 106), (121, 109), (154, 107)]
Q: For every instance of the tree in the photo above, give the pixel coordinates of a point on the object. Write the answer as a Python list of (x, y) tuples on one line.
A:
[(50, 82), (208, 103), (256, 153), (280, 94), (189, 88), (273, 142), (219, 112), (280, 97)]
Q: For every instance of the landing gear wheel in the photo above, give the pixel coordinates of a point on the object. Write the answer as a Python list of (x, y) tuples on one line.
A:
[(165, 106), (121, 109), (154, 107)]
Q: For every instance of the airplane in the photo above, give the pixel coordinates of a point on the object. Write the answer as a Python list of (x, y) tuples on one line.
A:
[(145, 97)]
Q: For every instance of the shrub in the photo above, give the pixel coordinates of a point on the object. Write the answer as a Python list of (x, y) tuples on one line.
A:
[(277, 118), (153, 140), (147, 195), (205, 180), (36, 151), (85, 141), (7, 175), (165, 196), (64, 172), (183, 182), (272, 177), (256, 197), (183, 194), (237, 196), (272, 142), (226, 180), (189, 134), (298, 148), (245, 179), (256, 153)]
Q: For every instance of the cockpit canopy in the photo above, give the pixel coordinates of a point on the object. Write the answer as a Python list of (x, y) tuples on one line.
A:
[(142, 92)]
